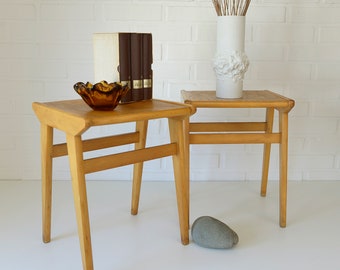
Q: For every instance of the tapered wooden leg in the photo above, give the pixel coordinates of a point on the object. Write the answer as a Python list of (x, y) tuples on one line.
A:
[(141, 127), (46, 179), (266, 152), (75, 152), (179, 132), (283, 122)]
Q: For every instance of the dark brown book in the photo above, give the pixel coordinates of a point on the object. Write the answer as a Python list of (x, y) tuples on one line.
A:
[(125, 63), (147, 60), (136, 67)]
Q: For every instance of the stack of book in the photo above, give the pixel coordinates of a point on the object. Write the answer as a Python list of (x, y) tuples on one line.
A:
[(125, 58)]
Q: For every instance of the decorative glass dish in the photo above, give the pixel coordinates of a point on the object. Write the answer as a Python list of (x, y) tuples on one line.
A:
[(101, 96)]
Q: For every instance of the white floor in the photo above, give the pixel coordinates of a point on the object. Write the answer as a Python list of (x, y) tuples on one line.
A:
[(151, 239)]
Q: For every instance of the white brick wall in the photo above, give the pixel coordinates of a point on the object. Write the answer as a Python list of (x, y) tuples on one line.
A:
[(293, 46)]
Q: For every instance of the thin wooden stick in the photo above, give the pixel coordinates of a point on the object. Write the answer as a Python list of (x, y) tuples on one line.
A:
[(222, 8), (242, 7), (216, 5), (247, 6), (238, 8), (225, 7)]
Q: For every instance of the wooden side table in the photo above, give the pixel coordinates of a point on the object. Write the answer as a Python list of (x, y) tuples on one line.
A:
[(247, 132), (74, 117)]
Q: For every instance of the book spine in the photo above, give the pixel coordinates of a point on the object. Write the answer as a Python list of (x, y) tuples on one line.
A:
[(147, 60), (136, 67), (125, 64)]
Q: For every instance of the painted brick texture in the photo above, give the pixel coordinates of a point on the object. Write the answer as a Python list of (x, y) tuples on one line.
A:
[(293, 47)]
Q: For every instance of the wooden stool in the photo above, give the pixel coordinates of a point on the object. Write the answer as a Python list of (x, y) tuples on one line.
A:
[(74, 117), (247, 132)]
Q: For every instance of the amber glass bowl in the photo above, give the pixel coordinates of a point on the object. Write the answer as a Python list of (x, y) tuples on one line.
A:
[(101, 96)]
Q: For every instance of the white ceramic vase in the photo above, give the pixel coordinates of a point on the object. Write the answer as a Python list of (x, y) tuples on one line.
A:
[(231, 62)]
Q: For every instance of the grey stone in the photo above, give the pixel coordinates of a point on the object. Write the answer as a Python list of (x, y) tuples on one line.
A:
[(209, 232)]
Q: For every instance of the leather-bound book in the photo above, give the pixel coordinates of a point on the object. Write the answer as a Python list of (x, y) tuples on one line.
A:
[(147, 60), (136, 67), (125, 63)]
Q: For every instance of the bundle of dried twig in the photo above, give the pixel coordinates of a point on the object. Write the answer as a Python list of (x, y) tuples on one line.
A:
[(231, 7)]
